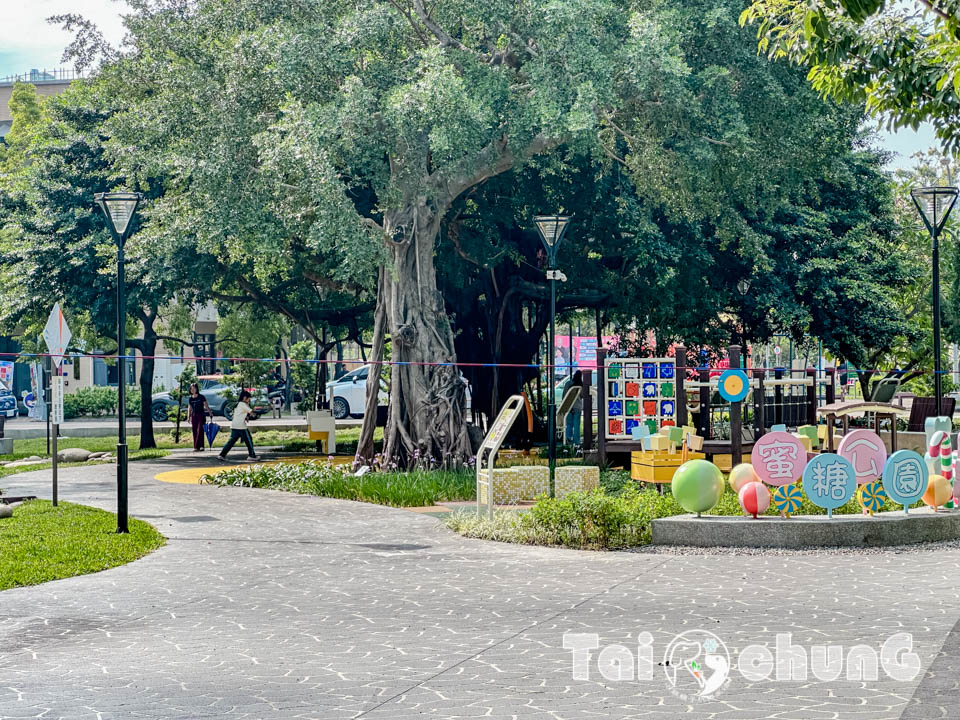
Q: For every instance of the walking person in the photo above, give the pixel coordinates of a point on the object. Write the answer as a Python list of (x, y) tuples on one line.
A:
[(197, 411), (238, 428), (576, 412)]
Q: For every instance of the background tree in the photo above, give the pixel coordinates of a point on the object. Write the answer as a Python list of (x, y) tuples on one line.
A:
[(902, 59)]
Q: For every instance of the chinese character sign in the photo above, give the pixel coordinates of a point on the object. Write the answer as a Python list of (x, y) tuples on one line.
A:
[(778, 458), (865, 451), (829, 481), (905, 477)]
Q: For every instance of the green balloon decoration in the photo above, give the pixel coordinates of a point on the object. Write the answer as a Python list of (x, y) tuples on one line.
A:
[(697, 485)]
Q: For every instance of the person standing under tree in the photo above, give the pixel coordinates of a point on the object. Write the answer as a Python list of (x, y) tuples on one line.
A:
[(238, 428), (197, 412)]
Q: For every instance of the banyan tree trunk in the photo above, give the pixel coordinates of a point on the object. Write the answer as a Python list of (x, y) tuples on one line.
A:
[(426, 423)]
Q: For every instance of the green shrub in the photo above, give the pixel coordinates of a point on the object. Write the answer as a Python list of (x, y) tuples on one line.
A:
[(97, 401), (398, 489)]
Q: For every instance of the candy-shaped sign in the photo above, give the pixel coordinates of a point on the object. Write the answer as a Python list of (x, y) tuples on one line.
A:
[(866, 452), (871, 497), (829, 481), (787, 499), (754, 498), (905, 477), (778, 458), (733, 385)]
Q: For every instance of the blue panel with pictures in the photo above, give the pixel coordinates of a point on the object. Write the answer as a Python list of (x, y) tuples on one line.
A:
[(649, 390), (615, 407), (631, 424), (666, 370), (667, 407), (649, 371), (614, 389)]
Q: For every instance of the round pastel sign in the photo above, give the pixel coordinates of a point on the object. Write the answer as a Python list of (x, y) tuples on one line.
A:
[(778, 458), (905, 477), (829, 481), (865, 451), (733, 385)]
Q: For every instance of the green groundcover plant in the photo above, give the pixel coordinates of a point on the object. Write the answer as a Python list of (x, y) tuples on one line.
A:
[(416, 488)]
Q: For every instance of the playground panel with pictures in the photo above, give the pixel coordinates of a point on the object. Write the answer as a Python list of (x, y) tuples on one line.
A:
[(639, 390)]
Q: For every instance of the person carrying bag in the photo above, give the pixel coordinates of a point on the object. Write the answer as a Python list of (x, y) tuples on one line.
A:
[(238, 428)]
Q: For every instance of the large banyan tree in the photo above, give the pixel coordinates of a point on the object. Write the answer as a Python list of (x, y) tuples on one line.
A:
[(345, 131)]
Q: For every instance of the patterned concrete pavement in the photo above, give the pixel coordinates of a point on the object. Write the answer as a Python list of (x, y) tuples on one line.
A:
[(267, 605)]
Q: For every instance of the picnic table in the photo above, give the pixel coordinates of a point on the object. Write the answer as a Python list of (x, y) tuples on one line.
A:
[(880, 410)]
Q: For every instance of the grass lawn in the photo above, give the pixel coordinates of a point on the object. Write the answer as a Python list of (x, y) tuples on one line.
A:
[(288, 440), (41, 542)]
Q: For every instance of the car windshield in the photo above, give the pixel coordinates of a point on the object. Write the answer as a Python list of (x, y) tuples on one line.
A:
[(359, 374)]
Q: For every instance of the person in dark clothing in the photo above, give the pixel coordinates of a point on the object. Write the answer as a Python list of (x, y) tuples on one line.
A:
[(197, 412)]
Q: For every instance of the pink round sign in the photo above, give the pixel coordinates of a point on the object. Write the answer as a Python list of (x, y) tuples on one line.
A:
[(778, 458), (866, 452)]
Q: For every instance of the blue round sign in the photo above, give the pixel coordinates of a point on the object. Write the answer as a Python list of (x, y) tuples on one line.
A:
[(905, 477), (733, 385), (829, 481)]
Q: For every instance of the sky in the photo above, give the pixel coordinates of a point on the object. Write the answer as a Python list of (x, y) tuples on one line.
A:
[(27, 41)]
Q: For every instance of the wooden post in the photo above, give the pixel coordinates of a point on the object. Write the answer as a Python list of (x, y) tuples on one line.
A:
[(736, 427), (601, 406), (831, 395), (759, 405), (586, 383), (778, 398), (705, 404), (681, 358), (812, 396)]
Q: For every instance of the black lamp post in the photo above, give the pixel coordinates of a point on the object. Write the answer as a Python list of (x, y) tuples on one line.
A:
[(935, 204), (743, 287), (119, 207), (552, 229)]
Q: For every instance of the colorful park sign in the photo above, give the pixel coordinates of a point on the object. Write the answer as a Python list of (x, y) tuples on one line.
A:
[(778, 458), (905, 477), (866, 452), (829, 481), (733, 385)]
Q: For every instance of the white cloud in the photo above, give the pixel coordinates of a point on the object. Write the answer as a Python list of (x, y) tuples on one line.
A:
[(26, 36)]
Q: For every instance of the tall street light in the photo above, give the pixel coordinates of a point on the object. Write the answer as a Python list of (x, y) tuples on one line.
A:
[(552, 229), (935, 204), (743, 287), (119, 207)]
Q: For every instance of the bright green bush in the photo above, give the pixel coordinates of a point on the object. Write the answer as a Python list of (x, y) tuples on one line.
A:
[(97, 401), (398, 489)]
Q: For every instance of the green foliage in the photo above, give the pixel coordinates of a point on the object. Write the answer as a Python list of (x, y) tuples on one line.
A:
[(42, 543), (96, 401), (902, 59), (417, 488)]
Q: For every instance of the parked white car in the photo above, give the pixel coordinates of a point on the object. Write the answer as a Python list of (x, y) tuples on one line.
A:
[(348, 395)]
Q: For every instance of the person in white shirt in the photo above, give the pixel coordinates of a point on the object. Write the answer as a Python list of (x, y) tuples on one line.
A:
[(238, 428)]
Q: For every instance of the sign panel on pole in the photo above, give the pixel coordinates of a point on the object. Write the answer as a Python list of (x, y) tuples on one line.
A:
[(56, 393), (56, 334)]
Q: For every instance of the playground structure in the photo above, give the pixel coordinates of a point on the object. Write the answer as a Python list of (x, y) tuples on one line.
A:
[(780, 398)]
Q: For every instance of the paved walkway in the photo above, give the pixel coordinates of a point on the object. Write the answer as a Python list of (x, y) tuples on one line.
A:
[(268, 605)]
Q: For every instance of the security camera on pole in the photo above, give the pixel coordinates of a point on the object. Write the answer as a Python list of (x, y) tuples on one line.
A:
[(56, 334), (118, 208)]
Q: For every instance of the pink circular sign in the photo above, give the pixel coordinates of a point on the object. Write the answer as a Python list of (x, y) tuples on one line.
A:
[(778, 458), (866, 452)]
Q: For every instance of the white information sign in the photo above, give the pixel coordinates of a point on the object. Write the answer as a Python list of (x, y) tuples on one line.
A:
[(56, 393), (56, 334)]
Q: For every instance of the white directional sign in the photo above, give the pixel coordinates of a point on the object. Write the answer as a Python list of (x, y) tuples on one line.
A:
[(56, 395), (56, 334)]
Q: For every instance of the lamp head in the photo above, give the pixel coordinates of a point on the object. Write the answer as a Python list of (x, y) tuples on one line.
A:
[(552, 228), (934, 203), (118, 208)]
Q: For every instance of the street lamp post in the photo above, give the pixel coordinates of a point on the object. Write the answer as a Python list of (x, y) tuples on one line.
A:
[(743, 287), (934, 204), (118, 208), (552, 229)]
